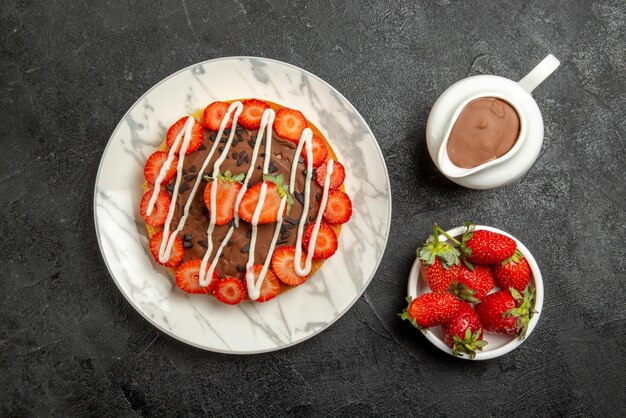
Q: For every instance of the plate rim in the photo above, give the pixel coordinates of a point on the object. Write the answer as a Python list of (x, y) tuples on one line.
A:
[(339, 314)]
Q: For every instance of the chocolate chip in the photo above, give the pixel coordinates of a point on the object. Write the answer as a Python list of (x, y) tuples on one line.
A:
[(227, 131), (184, 172), (283, 229), (204, 210), (234, 155), (239, 161), (202, 147), (184, 187), (304, 172), (301, 160), (247, 159), (311, 218), (192, 169), (187, 244), (187, 237), (291, 221), (299, 197), (318, 196), (202, 243), (189, 177), (231, 223), (262, 155), (281, 242), (263, 142), (229, 243), (272, 167), (242, 153), (285, 234), (249, 233), (170, 187), (239, 128), (212, 137), (221, 149), (241, 269), (251, 143), (245, 248)]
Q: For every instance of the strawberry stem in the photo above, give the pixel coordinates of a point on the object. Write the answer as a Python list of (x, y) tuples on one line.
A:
[(436, 234), (445, 234)]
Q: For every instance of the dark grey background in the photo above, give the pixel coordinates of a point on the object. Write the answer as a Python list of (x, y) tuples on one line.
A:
[(71, 344)]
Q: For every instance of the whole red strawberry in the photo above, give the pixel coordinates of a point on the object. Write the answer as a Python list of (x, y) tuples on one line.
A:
[(513, 272), (464, 332), (507, 311), (486, 247), (473, 284), (439, 262), (430, 309)]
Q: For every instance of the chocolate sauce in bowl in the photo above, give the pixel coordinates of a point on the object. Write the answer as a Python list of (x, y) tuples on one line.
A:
[(486, 129)]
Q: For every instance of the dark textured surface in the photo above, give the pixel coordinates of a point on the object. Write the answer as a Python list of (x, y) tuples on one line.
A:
[(71, 344)]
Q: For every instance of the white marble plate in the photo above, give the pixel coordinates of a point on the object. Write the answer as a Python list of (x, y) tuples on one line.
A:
[(249, 327)]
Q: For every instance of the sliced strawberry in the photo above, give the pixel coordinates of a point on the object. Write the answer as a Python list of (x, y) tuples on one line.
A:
[(213, 115), (159, 212), (188, 277), (282, 266), (197, 136), (289, 124), (226, 195), (252, 113), (229, 290), (320, 153), (176, 255), (153, 167), (338, 207), (269, 213), (269, 287), (336, 179), (326, 243)]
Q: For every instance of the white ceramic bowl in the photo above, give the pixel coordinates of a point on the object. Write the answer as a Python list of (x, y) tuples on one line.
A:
[(498, 345)]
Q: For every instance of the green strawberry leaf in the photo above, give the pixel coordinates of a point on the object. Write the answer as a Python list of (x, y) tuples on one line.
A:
[(470, 344), (467, 235), (463, 292), (524, 310), (281, 187), (227, 177), (404, 315), (515, 258), (468, 264), (447, 254)]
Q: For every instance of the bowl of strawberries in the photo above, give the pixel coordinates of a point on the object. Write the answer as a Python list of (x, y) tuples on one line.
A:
[(475, 291)]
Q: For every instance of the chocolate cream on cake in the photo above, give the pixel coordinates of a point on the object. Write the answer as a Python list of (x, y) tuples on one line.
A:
[(232, 262)]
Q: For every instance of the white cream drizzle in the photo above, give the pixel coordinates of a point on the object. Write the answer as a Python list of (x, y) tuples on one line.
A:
[(238, 108), (254, 286), (306, 139), (169, 239), (267, 122)]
